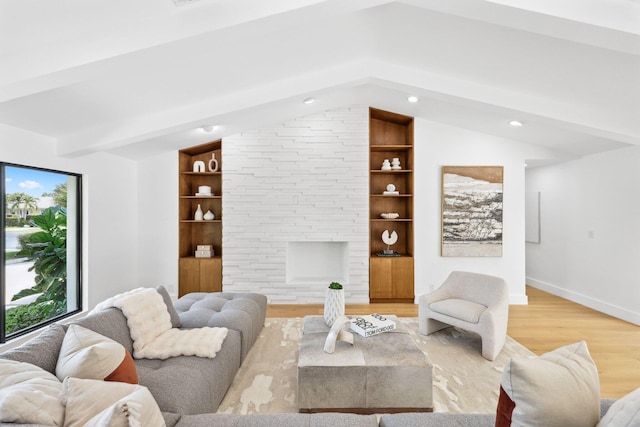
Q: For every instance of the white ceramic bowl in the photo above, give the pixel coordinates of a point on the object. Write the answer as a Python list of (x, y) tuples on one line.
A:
[(389, 215)]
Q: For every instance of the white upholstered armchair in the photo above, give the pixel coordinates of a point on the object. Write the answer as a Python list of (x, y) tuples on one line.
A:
[(475, 302)]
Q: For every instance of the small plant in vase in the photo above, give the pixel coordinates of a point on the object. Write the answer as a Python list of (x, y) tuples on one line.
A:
[(333, 303)]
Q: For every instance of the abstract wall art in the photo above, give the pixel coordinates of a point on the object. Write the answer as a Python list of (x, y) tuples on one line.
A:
[(472, 211)]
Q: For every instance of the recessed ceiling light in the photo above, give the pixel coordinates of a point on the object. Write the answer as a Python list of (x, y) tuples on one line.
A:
[(412, 99), (309, 100), (515, 123), (207, 128)]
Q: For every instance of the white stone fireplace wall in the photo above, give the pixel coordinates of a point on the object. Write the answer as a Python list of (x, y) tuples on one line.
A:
[(300, 187)]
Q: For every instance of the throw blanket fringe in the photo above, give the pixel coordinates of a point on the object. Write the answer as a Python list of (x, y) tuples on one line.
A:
[(150, 327)]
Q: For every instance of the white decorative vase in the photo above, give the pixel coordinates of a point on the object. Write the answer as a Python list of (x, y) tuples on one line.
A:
[(209, 216), (199, 215), (333, 305), (213, 163)]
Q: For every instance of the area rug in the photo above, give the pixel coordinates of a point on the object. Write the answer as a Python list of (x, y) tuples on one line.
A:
[(463, 381)]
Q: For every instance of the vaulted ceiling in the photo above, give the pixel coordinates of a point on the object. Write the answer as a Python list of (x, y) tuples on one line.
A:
[(137, 78)]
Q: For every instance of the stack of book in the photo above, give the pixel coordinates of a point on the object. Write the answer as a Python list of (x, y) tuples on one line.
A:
[(204, 251), (371, 324)]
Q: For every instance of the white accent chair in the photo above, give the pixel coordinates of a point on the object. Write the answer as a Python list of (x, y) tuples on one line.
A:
[(475, 302)]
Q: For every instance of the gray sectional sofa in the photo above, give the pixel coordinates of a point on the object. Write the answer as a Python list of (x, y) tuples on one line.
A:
[(189, 389)]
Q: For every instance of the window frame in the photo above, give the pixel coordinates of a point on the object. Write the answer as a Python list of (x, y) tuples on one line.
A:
[(79, 252)]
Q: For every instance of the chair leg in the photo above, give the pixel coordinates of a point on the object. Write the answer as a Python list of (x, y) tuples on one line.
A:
[(428, 326), (491, 348)]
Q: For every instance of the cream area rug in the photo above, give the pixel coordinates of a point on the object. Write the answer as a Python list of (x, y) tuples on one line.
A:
[(463, 381)]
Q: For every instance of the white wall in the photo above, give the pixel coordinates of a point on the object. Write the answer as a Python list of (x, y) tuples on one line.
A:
[(158, 221), (438, 145), (589, 248), (110, 210)]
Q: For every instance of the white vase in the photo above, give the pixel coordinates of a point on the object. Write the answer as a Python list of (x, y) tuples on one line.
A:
[(333, 305), (199, 215), (209, 216), (213, 163)]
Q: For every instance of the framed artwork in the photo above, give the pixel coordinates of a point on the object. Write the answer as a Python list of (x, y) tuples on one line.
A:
[(472, 211)]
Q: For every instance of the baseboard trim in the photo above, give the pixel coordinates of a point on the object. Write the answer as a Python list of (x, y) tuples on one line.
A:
[(596, 304)]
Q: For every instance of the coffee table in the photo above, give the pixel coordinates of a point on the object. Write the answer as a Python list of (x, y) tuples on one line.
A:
[(384, 373)]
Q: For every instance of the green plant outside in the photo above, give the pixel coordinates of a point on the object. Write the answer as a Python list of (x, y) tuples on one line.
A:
[(335, 285), (47, 249)]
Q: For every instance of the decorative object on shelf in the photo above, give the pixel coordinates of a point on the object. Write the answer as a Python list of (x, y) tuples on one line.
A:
[(395, 164), (204, 251), (213, 163), (391, 191), (390, 215), (338, 332), (204, 190), (333, 303), (209, 216), (389, 240), (472, 211), (386, 166), (199, 215), (198, 166)]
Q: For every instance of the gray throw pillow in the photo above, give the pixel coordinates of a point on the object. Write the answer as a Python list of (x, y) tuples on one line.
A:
[(175, 317)]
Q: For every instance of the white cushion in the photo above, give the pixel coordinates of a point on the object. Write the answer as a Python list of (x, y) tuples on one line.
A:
[(468, 311), (100, 403), (558, 389), (29, 395), (90, 355), (624, 412)]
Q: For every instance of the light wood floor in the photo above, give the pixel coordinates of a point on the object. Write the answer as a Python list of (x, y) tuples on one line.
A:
[(546, 323)]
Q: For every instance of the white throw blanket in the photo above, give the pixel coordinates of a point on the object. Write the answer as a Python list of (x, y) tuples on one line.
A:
[(150, 327)]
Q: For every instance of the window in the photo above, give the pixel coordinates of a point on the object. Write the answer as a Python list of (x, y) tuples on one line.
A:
[(40, 248)]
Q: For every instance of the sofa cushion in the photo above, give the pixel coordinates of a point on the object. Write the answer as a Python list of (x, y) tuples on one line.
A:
[(624, 412), (41, 350), (111, 323), (279, 420), (190, 384), (437, 419), (99, 403), (175, 317), (468, 311), (242, 312), (560, 388), (87, 354), (29, 395)]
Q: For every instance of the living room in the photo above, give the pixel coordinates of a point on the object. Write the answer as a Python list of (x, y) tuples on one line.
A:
[(117, 112)]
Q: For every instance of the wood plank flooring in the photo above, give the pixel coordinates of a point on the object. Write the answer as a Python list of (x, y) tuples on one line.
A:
[(546, 323)]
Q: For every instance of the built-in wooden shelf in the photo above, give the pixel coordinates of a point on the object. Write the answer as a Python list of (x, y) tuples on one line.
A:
[(390, 136), (199, 274)]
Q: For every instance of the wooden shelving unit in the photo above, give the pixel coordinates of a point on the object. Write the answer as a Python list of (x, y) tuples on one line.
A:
[(199, 274), (391, 278)]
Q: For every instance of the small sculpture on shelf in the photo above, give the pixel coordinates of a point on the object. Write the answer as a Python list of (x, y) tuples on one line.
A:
[(198, 166), (395, 164), (209, 216), (391, 191), (386, 166), (389, 240)]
